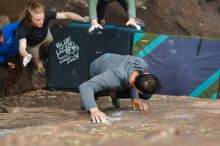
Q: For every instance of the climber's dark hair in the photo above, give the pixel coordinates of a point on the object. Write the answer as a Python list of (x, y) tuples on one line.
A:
[(147, 83)]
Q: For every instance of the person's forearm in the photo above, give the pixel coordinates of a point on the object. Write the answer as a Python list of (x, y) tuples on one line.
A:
[(23, 52), (74, 16), (22, 47), (133, 93), (87, 96), (131, 6), (92, 9)]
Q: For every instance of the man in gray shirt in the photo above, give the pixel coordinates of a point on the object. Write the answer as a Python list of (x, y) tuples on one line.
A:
[(112, 72)]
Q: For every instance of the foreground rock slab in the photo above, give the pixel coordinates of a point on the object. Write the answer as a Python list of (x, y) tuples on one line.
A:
[(55, 118)]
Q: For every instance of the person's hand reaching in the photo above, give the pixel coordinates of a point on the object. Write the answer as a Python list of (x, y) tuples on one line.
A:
[(11, 65), (133, 23), (97, 116), (27, 59), (95, 26), (137, 103)]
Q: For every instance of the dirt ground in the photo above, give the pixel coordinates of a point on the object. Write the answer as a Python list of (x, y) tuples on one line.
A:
[(54, 118)]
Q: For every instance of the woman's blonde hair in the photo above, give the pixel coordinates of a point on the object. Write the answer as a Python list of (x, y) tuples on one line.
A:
[(33, 6)]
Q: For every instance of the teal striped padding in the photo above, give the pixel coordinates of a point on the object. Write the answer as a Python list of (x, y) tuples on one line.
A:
[(138, 37), (214, 96), (153, 45), (211, 80)]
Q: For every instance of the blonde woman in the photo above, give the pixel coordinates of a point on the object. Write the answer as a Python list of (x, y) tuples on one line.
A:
[(34, 32)]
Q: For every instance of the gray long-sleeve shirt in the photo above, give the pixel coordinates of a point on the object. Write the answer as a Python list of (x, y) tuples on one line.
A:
[(110, 72)]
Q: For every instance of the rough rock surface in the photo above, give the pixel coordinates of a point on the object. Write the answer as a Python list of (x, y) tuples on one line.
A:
[(55, 118), (188, 17)]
